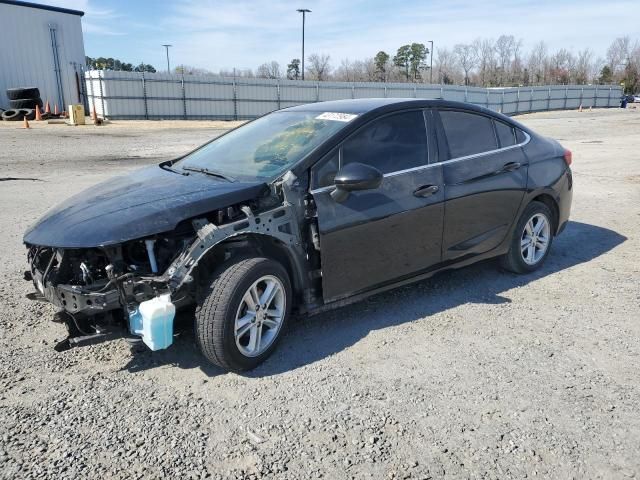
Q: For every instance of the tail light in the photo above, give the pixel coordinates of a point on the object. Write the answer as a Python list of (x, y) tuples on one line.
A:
[(568, 156)]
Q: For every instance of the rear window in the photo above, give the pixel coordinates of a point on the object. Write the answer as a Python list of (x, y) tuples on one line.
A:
[(506, 134), (468, 133)]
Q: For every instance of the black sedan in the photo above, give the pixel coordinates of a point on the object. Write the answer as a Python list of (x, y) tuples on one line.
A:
[(301, 210)]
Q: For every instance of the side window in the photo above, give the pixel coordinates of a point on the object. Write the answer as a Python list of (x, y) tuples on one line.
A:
[(506, 134), (520, 136), (467, 133), (392, 143), (325, 171)]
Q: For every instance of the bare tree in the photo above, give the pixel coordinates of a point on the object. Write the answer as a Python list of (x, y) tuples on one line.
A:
[(467, 58), (346, 72), (582, 67), (269, 70), (538, 63), (617, 54), (319, 67), (562, 64), (486, 54), (505, 48), (445, 65)]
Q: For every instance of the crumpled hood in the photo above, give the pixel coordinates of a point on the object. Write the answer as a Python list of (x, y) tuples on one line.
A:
[(145, 202)]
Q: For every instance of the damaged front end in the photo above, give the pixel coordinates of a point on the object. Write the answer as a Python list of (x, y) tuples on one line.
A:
[(111, 291), (99, 289)]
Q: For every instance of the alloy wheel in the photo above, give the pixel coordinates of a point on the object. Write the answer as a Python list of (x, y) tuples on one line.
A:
[(260, 316), (534, 241)]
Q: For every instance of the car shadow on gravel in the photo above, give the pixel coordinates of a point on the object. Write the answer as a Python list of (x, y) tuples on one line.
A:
[(323, 335)]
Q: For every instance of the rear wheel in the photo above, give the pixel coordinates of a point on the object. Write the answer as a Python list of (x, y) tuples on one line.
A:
[(243, 313), (531, 240)]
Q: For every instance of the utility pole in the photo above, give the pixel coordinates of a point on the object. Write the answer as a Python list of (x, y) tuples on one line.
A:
[(166, 46), (431, 62), (303, 11)]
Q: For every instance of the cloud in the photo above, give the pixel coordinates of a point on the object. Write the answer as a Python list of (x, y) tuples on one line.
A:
[(216, 34), (222, 34), (99, 21)]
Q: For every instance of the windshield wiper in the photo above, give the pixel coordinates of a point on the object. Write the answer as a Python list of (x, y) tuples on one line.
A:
[(167, 166), (213, 173)]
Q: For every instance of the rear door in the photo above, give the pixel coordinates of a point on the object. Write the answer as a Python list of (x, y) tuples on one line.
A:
[(376, 236), (485, 176)]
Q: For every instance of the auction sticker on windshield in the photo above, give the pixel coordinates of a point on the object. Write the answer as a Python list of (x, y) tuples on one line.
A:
[(338, 117)]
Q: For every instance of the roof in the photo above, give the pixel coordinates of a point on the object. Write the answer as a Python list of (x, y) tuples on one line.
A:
[(364, 105), (42, 7)]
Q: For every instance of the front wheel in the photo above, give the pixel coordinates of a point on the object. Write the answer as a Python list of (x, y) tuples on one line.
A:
[(241, 316), (531, 240)]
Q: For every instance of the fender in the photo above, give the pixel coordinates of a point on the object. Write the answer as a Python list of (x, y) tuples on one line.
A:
[(278, 223)]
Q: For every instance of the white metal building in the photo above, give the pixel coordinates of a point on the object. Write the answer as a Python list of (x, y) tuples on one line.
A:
[(42, 46)]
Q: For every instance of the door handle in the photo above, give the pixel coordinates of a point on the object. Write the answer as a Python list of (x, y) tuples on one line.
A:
[(426, 191), (511, 166)]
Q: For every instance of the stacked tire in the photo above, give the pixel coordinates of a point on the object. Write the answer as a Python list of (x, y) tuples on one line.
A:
[(22, 103)]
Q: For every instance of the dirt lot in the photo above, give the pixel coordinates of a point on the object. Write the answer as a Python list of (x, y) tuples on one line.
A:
[(472, 374)]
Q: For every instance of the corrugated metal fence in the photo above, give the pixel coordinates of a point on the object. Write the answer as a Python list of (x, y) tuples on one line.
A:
[(133, 95)]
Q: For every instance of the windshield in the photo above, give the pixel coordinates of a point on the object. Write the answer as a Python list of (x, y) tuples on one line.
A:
[(266, 147)]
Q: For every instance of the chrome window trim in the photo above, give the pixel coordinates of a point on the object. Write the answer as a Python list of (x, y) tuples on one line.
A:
[(423, 167), (527, 139)]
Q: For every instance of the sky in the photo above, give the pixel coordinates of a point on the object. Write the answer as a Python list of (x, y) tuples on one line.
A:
[(223, 34)]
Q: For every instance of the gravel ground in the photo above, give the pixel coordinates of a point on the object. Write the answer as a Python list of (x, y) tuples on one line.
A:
[(472, 374)]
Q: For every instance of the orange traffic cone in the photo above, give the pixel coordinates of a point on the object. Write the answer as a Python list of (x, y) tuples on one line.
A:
[(25, 123), (55, 109), (47, 108), (94, 116), (38, 114)]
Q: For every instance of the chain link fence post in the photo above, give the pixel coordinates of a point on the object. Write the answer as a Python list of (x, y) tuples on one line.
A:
[(235, 98), (100, 80), (278, 94), (144, 97), (531, 101), (184, 96), (93, 97)]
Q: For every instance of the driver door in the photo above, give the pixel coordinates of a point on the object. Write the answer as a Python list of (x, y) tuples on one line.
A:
[(377, 236)]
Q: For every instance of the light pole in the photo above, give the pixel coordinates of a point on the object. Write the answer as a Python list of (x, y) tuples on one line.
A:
[(431, 62), (166, 46), (304, 12)]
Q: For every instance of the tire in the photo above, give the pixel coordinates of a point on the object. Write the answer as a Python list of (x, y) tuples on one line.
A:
[(12, 115), (24, 92), (25, 103), (28, 113), (517, 261), (222, 307)]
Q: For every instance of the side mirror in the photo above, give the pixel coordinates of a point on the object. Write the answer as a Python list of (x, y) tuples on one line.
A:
[(355, 176)]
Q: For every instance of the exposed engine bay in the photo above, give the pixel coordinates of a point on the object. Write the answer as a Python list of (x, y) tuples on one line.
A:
[(99, 290)]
